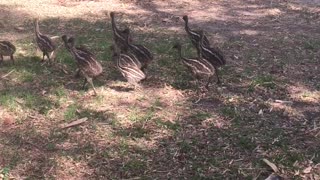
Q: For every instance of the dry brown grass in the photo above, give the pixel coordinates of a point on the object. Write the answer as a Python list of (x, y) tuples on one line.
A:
[(272, 51)]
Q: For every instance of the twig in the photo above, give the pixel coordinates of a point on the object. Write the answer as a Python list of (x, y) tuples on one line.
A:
[(54, 37), (272, 165), (7, 74), (283, 102), (74, 123)]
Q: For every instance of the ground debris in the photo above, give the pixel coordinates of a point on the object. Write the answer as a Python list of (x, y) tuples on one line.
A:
[(73, 123)]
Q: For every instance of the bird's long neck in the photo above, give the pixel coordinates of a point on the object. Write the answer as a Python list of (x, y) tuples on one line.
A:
[(114, 26), (186, 26), (199, 51), (66, 44), (36, 28), (127, 40), (73, 49), (200, 45)]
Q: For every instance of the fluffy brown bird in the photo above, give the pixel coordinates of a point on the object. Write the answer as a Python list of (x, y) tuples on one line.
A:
[(44, 43), (88, 65), (200, 67), (141, 52), (129, 66), (119, 36), (7, 49), (194, 35), (214, 56)]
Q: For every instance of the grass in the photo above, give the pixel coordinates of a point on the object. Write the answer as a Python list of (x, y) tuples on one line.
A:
[(168, 125), (5, 173), (265, 81), (157, 132), (71, 112)]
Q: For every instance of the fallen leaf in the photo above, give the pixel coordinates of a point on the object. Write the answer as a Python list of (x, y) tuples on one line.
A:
[(260, 112), (307, 170), (272, 165)]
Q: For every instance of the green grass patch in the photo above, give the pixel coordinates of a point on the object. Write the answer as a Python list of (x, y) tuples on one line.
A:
[(5, 173), (8, 100), (137, 131), (266, 81), (184, 146), (60, 92), (71, 112), (123, 147), (135, 165), (200, 115), (168, 125), (138, 116), (245, 143), (232, 113)]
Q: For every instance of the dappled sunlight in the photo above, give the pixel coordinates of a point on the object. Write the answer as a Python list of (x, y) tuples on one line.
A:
[(265, 108), (287, 110), (217, 122), (69, 168), (302, 93)]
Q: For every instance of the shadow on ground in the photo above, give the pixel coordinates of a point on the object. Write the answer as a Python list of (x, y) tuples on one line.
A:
[(265, 108)]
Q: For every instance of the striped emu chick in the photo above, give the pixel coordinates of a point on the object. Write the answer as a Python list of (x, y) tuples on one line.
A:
[(194, 35), (88, 65), (129, 66), (7, 49), (44, 43), (214, 56), (118, 35), (200, 68), (139, 51)]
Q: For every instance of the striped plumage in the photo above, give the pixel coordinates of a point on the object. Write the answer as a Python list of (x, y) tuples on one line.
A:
[(118, 35), (141, 52), (89, 67), (194, 35), (7, 49), (214, 56), (44, 43), (200, 68), (129, 66)]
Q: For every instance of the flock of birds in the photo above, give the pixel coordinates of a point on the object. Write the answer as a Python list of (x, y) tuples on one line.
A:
[(131, 59)]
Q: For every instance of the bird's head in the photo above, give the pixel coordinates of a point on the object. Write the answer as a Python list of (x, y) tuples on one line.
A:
[(185, 18), (112, 14), (64, 38)]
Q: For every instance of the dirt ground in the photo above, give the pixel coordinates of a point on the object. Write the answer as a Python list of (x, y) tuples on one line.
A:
[(263, 119)]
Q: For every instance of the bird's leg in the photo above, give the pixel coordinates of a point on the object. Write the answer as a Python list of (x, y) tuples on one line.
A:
[(85, 82), (47, 54), (43, 54), (217, 74), (90, 82), (1, 58), (77, 75), (52, 55), (198, 91), (12, 59), (207, 85), (198, 95)]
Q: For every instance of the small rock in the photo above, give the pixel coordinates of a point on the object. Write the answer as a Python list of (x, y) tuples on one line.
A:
[(274, 177)]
